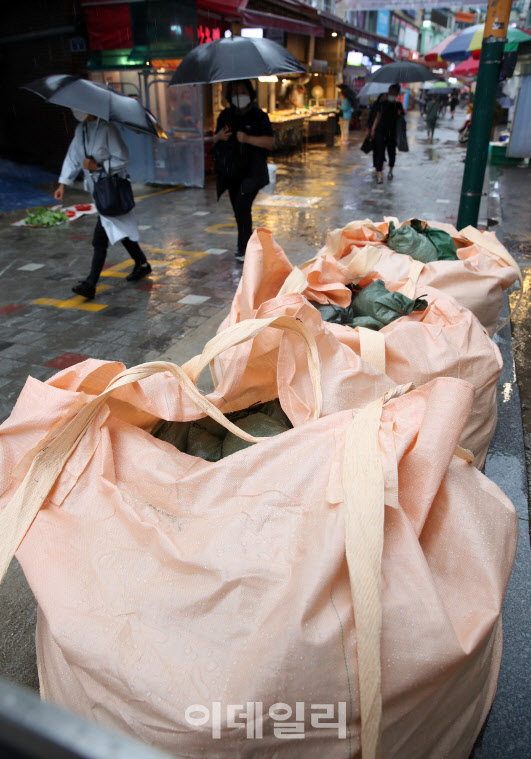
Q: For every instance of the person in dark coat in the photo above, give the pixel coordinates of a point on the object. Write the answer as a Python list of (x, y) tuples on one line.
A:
[(243, 136), (383, 131), (375, 107)]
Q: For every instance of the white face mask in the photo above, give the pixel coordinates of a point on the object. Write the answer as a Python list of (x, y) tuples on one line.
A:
[(79, 115), (241, 101), (391, 98)]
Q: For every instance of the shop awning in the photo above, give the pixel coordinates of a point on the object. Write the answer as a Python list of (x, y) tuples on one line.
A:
[(352, 44), (223, 7), (336, 24), (272, 21)]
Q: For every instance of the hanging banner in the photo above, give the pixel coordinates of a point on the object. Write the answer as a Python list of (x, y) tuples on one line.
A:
[(396, 5)]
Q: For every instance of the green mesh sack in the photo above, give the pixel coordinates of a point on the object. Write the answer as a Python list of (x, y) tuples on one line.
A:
[(408, 241), (174, 433), (377, 303), (205, 439), (365, 321), (274, 410), (444, 245), (373, 307), (258, 425)]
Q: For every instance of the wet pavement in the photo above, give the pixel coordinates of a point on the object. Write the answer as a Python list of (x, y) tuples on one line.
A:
[(190, 240)]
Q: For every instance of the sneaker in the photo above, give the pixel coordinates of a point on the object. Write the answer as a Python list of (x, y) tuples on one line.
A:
[(139, 271), (85, 289), (240, 257)]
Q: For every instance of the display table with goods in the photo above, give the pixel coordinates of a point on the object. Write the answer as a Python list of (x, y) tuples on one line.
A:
[(293, 127)]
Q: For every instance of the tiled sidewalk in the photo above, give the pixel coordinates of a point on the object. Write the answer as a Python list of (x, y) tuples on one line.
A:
[(189, 239)]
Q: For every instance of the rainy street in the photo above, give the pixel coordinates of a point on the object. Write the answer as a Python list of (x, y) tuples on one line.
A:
[(190, 241)]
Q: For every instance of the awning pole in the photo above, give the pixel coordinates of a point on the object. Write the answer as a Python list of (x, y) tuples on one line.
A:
[(494, 39)]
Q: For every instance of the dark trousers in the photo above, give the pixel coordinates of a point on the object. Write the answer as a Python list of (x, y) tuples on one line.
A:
[(380, 144), (100, 242), (241, 205)]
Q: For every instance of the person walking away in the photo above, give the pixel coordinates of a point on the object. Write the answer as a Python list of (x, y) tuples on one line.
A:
[(383, 131), (372, 118), (344, 119), (443, 104), (243, 136), (423, 100), (432, 112), (454, 102), (97, 145)]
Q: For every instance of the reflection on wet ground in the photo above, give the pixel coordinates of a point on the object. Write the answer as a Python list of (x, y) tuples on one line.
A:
[(515, 192)]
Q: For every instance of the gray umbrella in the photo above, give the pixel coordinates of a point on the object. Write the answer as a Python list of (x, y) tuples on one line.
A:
[(401, 71), (97, 99), (373, 89), (235, 58)]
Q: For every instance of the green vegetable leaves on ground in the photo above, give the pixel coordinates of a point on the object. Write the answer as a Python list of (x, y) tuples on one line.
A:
[(43, 217)]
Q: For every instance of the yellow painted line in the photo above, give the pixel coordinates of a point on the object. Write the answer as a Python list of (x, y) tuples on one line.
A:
[(181, 263), (78, 302), (159, 192), (114, 273), (217, 228), (184, 257)]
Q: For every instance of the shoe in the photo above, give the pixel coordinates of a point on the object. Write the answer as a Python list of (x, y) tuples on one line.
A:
[(379, 180), (85, 289), (240, 257), (139, 271), (390, 175)]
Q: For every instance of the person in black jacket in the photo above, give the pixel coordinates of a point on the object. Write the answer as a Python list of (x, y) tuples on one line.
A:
[(383, 131), (243, 136)]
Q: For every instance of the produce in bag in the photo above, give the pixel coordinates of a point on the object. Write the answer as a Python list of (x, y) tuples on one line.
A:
[(444, 245), (443, 340), (211, 441), (367, 575), (484, 268), (372, 307), (406, 240)]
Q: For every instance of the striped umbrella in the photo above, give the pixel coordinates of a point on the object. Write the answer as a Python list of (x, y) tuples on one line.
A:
[(459, 47), (434, 55), (470, 67)]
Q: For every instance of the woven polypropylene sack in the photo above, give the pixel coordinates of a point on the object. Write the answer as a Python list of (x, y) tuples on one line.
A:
[(166, 582), (445, 340), (477, 280)]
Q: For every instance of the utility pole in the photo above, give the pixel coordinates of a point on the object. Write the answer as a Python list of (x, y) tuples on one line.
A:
[(494, 39)]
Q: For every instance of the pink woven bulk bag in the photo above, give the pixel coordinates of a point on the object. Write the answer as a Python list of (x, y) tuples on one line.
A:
[(353, 563), (445, 340), (484, 270)]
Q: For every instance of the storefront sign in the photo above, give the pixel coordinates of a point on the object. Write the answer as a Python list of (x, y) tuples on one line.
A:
[(382, 23), (206, 34)]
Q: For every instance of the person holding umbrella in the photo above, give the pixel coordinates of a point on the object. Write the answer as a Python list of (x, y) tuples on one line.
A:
[(97, 145), (99, 150), (243, 136), (383, 131), (432, 113)]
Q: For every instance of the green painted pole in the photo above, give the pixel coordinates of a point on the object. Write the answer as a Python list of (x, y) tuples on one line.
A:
[(494, 40)]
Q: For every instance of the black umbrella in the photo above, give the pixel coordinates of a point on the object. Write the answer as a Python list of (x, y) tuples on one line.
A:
[(350, 95), (97, 99), (235, 58), (401, 71)]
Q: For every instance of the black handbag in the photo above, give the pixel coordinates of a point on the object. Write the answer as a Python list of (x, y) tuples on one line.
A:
[(367, 144), (113, 194), (401, 135)]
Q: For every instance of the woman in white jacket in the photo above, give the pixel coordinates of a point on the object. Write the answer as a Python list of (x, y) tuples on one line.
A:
[(98, 144)]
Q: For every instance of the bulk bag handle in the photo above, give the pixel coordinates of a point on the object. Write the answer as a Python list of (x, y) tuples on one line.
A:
[(16, 518)]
